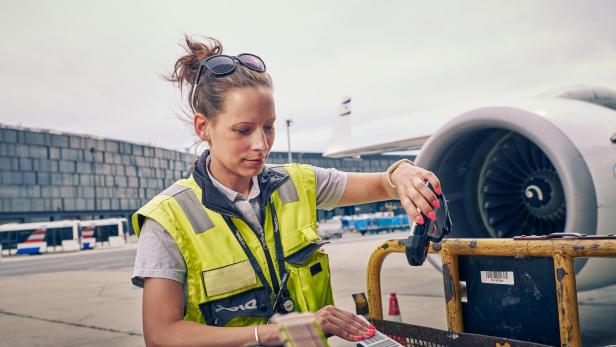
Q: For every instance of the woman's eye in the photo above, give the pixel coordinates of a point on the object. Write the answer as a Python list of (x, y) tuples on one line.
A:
[(269, 128), (243, 131)]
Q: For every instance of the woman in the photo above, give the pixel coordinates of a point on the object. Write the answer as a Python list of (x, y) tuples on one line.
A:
[(223, 250)]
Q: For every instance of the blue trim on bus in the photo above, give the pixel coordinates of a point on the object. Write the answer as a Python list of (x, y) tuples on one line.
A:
[(31, 250)]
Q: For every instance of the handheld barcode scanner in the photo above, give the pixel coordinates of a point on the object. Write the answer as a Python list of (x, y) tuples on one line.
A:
[(417, 244)]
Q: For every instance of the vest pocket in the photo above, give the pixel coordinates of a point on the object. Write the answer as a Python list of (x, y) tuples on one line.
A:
[(229, 278), (248, 305), (310, 283), (297, 240)]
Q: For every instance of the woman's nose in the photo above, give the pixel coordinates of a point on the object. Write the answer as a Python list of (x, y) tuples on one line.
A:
[(259, 141)]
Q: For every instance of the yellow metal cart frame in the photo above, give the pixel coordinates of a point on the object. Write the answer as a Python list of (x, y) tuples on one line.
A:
[(562, 250)]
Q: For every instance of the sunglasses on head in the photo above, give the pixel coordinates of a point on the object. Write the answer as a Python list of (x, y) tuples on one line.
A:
[(221, 65)]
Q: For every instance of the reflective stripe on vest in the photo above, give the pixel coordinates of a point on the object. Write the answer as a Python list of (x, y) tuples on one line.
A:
[(288, 191), (191, 206)]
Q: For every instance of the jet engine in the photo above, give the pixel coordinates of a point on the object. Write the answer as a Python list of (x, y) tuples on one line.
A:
[(533, 167)]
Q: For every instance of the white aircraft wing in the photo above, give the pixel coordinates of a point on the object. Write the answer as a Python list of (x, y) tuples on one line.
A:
[(412, 143), (395, 133)]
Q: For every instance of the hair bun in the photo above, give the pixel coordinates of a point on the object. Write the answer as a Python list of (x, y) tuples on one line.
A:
[(187, 66), (208, 98)]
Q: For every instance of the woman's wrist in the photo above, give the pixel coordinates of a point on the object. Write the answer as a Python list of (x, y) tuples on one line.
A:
[(387, 180), (392, 168), (269, 335)]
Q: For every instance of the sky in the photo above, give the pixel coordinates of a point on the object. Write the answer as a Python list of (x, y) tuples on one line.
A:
[(96, 67)]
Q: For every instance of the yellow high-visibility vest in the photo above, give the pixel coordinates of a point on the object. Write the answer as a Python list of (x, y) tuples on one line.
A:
[(231, 277)]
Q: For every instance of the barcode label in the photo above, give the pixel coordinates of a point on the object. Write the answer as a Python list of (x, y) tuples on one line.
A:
[(497, 277), (379, 340)]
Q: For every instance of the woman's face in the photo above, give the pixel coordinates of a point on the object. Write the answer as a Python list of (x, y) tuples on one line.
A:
[(241, 136)]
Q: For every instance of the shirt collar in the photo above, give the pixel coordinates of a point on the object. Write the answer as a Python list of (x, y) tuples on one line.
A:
[(231, 194), (269, 180)]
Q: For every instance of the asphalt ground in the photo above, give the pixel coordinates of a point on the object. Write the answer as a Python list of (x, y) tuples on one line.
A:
[(86, 298), (85, 260)]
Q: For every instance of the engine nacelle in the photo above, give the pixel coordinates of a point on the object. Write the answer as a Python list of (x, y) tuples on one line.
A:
[(537, 166)]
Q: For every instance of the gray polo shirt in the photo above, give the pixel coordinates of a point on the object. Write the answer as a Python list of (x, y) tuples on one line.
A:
[(159, 256)]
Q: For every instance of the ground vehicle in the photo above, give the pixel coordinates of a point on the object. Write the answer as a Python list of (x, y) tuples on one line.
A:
[(375, 222), (330, 228), (61, 236)]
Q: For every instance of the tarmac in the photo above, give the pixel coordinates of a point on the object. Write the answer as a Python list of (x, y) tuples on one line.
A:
[(93, 303)]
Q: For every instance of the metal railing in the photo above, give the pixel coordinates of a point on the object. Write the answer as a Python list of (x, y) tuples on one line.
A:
[(562, 250)]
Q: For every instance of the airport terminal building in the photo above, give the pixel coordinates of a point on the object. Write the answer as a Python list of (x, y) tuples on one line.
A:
[(49, 176)]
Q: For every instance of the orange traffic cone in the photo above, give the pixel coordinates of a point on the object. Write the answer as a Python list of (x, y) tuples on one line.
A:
[(394, 309)]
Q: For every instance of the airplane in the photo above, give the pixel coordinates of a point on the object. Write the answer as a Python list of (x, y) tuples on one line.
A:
[(537, 166)]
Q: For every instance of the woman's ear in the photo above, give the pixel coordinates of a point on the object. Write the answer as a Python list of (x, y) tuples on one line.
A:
[(202, 126)]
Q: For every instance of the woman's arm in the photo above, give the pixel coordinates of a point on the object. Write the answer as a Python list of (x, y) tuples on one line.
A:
[(163, 323), (411, 189)]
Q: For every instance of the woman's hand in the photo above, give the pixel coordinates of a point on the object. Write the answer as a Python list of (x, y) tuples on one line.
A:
[(269, 335), (411, 185), (335, 321)]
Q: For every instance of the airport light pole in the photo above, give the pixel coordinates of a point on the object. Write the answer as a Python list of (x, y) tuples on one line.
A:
[(289, 121)]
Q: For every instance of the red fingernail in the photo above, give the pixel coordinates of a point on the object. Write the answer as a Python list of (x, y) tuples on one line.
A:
[(438, 191), (419, 220), (432, 216), (372, 327), (436, 204), (367, 335), (358, 338)]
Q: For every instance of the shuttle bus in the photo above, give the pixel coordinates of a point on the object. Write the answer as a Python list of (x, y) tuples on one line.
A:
[(61, 236), (97, 232), (38, 237)]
